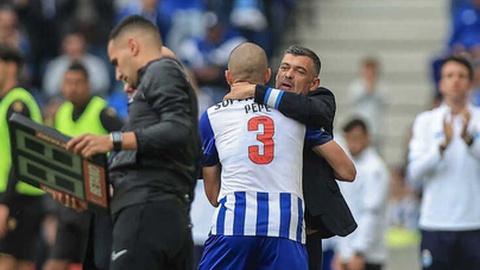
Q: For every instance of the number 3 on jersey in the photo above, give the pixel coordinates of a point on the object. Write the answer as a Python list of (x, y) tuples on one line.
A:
[(265, 138)]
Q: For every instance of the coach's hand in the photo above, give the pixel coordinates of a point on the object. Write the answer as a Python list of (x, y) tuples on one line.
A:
[(88, 145), (241, 90)]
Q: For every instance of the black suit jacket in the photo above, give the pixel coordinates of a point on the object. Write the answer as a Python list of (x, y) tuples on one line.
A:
[(326, 209)]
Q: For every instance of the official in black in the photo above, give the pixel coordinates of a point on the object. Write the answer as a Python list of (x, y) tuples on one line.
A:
[(155, 170)]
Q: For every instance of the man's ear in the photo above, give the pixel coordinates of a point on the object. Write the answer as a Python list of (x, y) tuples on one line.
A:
[(228, 77), (268, 75), (315, 84), (133, 46)]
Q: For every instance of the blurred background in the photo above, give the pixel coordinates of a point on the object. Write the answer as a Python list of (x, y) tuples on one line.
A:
[(379, 57)]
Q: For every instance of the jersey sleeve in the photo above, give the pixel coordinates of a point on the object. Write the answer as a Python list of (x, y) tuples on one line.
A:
[(315, 137), (210, 154)]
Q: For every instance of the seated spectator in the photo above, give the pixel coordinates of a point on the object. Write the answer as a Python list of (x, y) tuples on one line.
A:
[(475, 95), (207, 56), (466, 27), (367, 96), (149, 9), (74, 49), (10, 32), (11, 35)]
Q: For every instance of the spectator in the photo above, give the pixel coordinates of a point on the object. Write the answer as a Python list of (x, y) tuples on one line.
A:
[(367, 96), (74, 49), (45, 22), (465, 27), (207, 57), (10, 32), (148, 9), (474, 96)]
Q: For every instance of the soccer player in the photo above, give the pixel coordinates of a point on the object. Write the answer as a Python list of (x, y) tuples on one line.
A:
[(257, 152)]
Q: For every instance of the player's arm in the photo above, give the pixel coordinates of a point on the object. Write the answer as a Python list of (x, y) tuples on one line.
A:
[(211, 181), (316, 110), (322, 144), (210, 161), (343, 167)]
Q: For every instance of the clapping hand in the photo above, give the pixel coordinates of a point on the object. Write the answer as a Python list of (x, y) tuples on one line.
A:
[(447, 130), (466, 120)]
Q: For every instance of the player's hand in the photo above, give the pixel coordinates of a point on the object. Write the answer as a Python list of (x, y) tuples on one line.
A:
[(88, 145), (241, 90), (4, 214)]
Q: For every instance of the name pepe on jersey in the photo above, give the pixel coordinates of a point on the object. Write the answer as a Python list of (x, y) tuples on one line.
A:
[(261, 153), (249, 108)]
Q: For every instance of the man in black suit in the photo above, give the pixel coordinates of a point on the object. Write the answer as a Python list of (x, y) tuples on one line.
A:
[(299, 97)]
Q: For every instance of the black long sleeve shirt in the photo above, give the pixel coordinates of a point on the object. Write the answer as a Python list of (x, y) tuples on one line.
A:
[(163, 115)]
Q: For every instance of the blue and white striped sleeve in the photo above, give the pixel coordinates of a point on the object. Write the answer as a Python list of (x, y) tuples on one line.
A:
[(210, 154), (316, 137), (273, 97)]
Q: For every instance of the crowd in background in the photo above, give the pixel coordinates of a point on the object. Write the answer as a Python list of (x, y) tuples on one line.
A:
[(54, 33)]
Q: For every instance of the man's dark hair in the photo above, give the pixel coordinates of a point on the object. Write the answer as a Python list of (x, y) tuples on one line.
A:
[(9, 53), (462, 61), (297, 50), (356, 122), (77, 66), (133, 22)]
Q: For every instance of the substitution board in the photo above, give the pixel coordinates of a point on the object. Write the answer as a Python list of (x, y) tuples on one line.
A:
[(40, 158)]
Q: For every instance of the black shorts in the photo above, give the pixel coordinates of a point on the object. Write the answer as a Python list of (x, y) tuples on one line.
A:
[(72, 235), (152, 235), (27, 211)]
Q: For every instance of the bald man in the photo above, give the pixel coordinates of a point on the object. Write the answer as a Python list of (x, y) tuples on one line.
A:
[(253, 174), (157, 156)]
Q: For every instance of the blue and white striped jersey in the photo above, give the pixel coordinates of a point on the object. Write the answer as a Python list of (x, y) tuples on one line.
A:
[(260, 151)]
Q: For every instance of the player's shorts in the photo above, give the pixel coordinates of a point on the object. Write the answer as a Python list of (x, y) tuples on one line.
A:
[(152, 235), (252, 252), (72, 235), (27, 214)]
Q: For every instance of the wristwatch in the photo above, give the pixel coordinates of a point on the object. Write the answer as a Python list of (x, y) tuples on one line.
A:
[(470, 142), (117, 138)]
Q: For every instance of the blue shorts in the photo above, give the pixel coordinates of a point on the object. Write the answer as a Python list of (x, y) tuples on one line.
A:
[(252, 252)]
